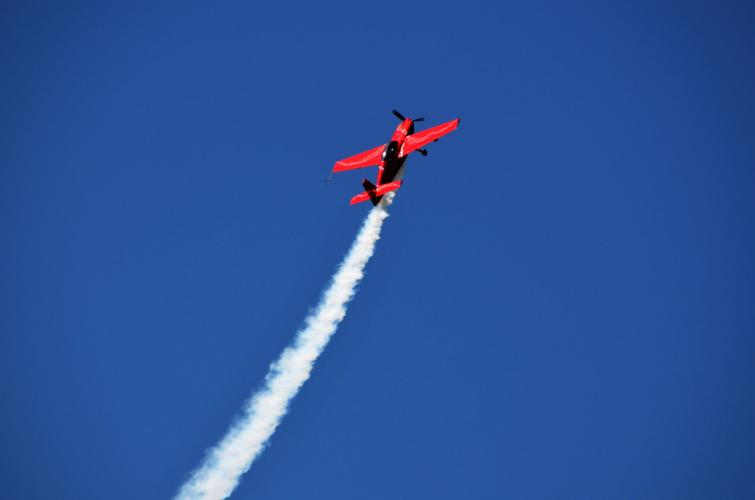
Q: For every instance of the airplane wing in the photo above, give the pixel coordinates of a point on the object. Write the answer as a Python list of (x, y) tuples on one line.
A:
[(415, 141), (369, 158)]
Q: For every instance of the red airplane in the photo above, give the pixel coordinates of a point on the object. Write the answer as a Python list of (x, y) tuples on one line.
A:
[(390, 157)]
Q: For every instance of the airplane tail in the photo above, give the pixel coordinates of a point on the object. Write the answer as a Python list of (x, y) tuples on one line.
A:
[(375, 193)]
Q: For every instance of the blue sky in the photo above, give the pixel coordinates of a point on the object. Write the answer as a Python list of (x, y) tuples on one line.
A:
[(561, 305)]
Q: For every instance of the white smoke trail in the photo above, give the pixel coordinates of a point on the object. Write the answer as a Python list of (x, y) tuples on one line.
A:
[(224, 464)]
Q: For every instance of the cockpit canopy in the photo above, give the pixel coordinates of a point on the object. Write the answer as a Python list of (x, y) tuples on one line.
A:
[(390, 150)]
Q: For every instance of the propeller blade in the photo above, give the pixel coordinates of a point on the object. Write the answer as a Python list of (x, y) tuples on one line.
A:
[(419, 119), (399, 115)]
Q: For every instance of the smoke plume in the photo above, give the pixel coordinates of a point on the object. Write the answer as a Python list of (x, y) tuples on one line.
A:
[(224, 464)]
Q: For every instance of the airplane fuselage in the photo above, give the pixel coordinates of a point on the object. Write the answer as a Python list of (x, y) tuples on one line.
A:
[(392, 167)]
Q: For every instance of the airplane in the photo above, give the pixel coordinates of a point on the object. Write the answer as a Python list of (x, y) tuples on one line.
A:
[(390, 158)]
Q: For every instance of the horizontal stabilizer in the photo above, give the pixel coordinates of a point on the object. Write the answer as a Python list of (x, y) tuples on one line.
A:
[(360, 198), (387, 188), (373, 193)]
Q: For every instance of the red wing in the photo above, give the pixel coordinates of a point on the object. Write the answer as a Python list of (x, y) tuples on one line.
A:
[(367, 159), (415, 141)]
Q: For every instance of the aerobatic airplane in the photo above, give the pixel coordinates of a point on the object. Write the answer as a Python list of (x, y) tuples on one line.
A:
[(390, 158)]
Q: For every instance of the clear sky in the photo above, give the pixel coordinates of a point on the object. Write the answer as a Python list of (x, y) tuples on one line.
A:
[(561, 306)]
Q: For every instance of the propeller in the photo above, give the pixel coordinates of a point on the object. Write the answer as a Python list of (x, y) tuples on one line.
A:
[(401, 117)]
